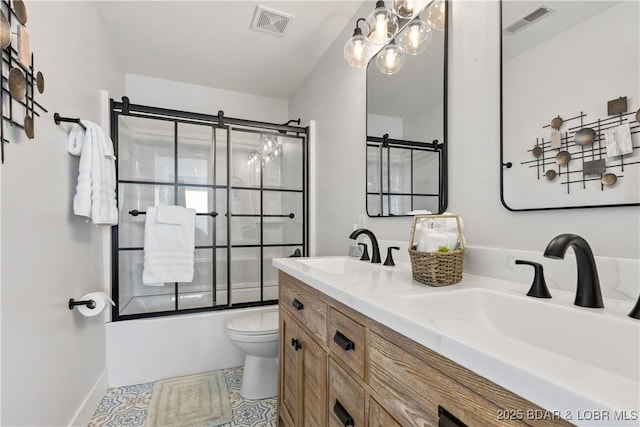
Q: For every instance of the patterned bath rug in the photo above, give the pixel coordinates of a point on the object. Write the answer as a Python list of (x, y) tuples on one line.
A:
[(200, 400)]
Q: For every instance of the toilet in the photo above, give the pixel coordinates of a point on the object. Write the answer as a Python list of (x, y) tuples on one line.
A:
[(257, 335)]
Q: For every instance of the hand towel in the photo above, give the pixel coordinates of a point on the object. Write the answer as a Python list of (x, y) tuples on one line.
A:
[(169, 247), (79, 144), (170, 214), (96, 189)]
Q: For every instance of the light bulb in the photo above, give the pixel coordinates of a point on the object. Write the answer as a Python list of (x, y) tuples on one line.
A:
[(383, 24), (415, 37), (436, 15), (390, 59), (408, 8), (355, 51)]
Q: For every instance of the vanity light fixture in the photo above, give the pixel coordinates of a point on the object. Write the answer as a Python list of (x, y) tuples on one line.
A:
[(400, 31), (383, 24), (355, 50)]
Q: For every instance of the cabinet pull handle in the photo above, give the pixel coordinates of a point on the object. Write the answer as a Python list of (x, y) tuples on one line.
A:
[(344, 342), (343, 415), (297, 304), (446, 419), (296, 344)]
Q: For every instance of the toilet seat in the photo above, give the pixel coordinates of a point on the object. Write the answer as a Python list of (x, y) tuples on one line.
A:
[(265, 323)]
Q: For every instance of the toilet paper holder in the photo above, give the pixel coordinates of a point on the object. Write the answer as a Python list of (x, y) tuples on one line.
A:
[(89, 303)]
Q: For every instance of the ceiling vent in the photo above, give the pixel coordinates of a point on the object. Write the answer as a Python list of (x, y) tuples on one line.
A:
[(531, 17), (270, 21)]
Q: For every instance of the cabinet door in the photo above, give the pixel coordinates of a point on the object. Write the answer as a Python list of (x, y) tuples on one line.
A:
[(303, 376), (378, 417), (289, 395), (314, 383)]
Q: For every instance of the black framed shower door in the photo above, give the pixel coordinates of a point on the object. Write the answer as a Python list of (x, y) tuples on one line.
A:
[(247, 181)]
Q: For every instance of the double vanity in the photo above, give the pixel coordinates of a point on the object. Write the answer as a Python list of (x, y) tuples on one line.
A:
[(364, 345)]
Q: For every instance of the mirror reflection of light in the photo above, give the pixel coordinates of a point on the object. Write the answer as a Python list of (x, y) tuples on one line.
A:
[(436, 15), (390, 59), (415, 38), (407, 8), (270, 150)]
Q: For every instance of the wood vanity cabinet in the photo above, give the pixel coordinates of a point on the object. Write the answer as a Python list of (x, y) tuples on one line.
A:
[(341, 368)]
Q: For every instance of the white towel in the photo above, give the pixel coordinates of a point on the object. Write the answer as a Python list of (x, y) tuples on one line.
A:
[(169, 247), (96, 189), (170, 214)]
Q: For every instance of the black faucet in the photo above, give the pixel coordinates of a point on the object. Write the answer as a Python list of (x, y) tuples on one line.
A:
[(588, 292), (635, 311), (374, 242)]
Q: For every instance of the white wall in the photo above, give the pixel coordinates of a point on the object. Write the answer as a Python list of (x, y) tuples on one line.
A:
[(334, 95), (155, 92), (52, 357)]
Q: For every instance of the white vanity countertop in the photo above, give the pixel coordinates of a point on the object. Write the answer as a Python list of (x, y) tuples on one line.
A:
[(579, 363)]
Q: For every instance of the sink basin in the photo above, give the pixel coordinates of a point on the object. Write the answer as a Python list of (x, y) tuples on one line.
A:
[(592, 337), (339, 265)]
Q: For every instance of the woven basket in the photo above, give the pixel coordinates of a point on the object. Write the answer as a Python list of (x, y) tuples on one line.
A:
[(436, 268)]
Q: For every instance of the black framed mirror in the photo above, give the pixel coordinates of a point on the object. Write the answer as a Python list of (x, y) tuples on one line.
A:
[(569, 102), (406, 154)]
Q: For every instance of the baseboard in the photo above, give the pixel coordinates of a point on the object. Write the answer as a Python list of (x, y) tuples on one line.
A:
[(88, 407)]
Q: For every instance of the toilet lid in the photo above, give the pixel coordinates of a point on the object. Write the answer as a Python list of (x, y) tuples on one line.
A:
[(257, 323)]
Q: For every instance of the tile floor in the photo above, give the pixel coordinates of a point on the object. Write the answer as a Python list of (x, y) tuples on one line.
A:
[(127, 406)]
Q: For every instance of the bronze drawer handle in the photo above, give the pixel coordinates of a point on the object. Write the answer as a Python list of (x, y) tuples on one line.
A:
[(343, 341), (345, 419), (297, 304), (446, 419), (296, 344)]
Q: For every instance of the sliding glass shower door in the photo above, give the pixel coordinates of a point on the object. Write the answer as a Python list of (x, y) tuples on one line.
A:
[(248, 187), (267, 209)]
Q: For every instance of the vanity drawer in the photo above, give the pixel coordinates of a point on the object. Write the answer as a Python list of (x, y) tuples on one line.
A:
[(411, 390), (305, 306), (346, 398), (347, 341)]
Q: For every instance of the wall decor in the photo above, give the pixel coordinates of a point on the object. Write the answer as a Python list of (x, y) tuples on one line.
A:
[(570, 136), (585, 154), (18, 106)]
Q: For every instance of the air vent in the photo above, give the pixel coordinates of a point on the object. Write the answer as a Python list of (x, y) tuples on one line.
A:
[(270, 21), (531, 17)]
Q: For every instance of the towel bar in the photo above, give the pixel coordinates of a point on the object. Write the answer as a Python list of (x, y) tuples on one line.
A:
[(289, 215), (136, 212), (59, 119)]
